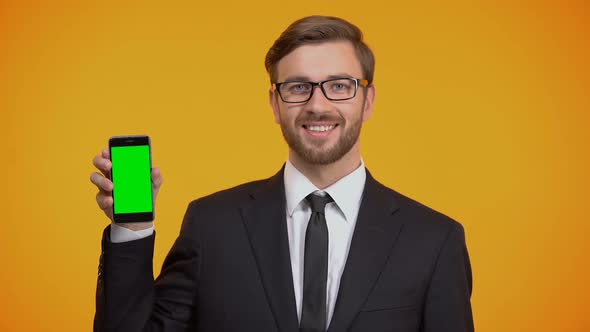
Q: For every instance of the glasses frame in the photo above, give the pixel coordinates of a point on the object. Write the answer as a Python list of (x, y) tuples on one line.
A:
[(358, 82)]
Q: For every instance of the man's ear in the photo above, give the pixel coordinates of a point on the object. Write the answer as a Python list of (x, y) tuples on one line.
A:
[(273, 99), (369, 102)]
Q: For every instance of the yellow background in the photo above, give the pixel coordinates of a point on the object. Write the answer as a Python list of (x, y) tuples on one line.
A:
[(482, 113)]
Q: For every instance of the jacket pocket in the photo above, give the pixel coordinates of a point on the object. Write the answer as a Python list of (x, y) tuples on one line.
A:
[(391, 318), (379, 302)]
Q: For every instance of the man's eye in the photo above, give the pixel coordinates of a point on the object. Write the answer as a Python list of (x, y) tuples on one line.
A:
[(340, 86), (298, 88)]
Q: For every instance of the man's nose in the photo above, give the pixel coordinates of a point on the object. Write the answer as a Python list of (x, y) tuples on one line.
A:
[(318, 101)]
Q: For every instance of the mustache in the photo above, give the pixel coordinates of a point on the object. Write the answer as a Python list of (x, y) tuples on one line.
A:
[(325, 117)]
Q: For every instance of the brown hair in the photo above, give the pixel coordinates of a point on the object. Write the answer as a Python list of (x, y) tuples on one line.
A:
[(315, 30)]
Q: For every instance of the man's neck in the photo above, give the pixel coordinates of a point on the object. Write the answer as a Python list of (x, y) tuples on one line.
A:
[(322, 176)]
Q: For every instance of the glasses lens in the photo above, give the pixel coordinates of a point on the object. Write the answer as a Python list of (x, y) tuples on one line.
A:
[(295, 91), (343, 88)]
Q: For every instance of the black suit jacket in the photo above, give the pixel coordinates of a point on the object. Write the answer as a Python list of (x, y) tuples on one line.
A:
[(229, 270)]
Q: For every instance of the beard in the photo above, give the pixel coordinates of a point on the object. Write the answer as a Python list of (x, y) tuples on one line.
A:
[(314, 152)]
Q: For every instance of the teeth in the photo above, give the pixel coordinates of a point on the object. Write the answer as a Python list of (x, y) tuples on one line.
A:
[(320, 128)]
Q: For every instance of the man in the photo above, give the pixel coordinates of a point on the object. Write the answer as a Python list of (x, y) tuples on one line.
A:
[(319, 246)]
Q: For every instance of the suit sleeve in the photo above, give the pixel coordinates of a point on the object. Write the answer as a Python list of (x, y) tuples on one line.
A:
[(448, 304), (127, 297)]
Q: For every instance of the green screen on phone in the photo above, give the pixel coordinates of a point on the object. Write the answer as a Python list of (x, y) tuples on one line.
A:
[(131, 173)]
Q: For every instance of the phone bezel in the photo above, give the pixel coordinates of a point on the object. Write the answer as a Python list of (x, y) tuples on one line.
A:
[(134, 140)]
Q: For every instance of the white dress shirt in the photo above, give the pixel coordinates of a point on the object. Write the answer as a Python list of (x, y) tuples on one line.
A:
[(122, 234), (341, 215), (341, 218)]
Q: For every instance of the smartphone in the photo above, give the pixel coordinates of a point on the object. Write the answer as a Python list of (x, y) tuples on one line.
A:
[(131, 174)]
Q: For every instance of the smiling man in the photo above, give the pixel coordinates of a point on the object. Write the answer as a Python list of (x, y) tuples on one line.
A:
[(322, 129), (321, 245)]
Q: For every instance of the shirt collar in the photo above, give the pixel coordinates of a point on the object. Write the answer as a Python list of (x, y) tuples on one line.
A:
[(346, 192)]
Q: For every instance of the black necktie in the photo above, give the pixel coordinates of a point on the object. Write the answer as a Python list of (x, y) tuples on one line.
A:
[(315, 266)]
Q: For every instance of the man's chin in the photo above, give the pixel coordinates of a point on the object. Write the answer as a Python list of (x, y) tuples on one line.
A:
[(315, 151), (318, 156)]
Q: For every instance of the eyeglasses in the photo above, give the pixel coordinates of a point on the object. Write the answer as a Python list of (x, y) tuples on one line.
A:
[(333, 89)]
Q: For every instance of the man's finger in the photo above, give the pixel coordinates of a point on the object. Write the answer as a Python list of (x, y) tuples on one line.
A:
[(101, 182), (103, 164), (104, 201), (157, 178)]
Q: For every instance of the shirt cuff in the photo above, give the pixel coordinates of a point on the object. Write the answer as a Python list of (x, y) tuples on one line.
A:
[(121, 234)]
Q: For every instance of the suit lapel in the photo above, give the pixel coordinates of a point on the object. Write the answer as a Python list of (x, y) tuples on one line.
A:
[(374, 235), (265, 221)]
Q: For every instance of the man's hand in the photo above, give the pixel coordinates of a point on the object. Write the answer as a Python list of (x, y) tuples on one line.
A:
[(104, 197)]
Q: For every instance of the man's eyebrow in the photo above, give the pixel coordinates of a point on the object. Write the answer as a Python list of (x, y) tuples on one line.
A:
[(341, 75), (307, 79), (297, 78)]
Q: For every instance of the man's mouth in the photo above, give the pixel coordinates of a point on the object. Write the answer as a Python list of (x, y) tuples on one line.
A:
[(319, 130)]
